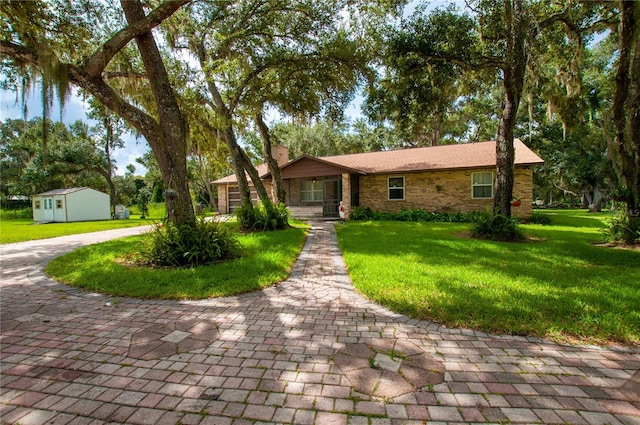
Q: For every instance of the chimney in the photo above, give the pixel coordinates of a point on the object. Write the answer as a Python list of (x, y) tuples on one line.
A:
[(280, 154)]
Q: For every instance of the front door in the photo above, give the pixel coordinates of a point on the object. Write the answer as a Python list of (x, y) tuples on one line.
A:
[(331, 199)]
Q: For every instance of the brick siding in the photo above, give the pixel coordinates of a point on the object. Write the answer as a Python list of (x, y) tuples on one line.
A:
[(441, 191)]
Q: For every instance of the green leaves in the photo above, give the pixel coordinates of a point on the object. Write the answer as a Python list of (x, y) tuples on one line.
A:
[(204, 242)]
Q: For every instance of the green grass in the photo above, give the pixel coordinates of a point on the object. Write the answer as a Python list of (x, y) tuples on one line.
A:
[(268, 259), (24, 228), (558, 285)]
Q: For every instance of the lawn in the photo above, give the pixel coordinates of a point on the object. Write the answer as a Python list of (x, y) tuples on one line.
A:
[(25, 229), (558, 285), (268, 258)]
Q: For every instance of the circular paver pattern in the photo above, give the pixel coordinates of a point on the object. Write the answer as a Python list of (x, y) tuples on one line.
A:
[(172, 338), (388, 368)]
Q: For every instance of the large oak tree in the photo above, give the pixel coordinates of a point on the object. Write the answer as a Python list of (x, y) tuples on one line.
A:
[(89, 46)]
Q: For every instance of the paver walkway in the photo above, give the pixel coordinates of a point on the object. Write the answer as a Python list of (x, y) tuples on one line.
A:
[(307, 351)]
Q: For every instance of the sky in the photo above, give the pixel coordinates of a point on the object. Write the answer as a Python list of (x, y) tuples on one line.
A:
[(75, 108)]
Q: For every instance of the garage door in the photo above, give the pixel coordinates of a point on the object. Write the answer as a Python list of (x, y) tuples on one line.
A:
[(235, 200)]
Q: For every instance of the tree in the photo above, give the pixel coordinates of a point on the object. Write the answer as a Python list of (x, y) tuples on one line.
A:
[(417, 96), (29, 167), (291, 55), (16, 151), (626, 108), (142, 199), (322, 138), (76, 43), (106, 134), (498, 37)]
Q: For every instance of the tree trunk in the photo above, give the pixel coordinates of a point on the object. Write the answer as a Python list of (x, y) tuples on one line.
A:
[(277, 190), (626, 105), (435, 137), (170, 148), (596, 204), (513, 81), (238, 165), (113, 196), (257, 182), (167, 137), (239, 158), (108, 172)]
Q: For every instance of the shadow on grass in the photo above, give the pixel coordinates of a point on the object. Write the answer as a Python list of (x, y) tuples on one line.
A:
[(558, 285), (268, 258)]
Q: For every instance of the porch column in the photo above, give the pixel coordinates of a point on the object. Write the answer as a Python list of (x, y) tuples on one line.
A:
[(346, 192), (223, 193)]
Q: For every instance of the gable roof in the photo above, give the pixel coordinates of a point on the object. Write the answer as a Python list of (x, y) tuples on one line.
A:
[(445, 157), (63, 191)]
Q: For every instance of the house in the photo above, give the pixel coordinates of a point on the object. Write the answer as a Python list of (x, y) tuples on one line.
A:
[(456, 177), (72, 204)]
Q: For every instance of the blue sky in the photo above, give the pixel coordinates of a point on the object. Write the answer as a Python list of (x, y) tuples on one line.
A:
[(75, 108)]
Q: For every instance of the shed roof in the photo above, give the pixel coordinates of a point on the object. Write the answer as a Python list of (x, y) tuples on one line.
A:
[(445, 157), (65, 191)]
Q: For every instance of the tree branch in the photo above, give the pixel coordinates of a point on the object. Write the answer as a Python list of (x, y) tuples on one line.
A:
[(97, 62), (18, 53), (94, 85), (243, 86), (484, 63), (123, 74)]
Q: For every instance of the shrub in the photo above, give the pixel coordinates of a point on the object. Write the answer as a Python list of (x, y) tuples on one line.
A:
[(11, 214), (414, 214), (258, 218), (204, 243), (538, 218), (360, 213), (497, 227), (623, 228)]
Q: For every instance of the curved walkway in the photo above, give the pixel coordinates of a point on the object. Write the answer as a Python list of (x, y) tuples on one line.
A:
[(307, 351)]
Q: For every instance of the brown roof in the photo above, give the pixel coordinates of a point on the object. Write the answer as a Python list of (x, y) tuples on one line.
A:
[(262, 171), (445, 157)]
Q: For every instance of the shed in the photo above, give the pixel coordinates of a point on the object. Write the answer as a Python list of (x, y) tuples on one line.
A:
[(71, 204)]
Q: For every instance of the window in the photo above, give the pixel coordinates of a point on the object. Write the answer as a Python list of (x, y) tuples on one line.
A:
[(396, 188), (482, 185), (59, 204), (50, 203), (311, 191), (38, 206)]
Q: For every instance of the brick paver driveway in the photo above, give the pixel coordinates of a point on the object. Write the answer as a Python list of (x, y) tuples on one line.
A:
[(307, 351)]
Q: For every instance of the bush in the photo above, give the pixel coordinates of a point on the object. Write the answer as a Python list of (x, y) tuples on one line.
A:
[(623, 228), (12, 214), (538, 218), (360, 213), (258, 218), (496, 227), (414, 214), (204, 243)]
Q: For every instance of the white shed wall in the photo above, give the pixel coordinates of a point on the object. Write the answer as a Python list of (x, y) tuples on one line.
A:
[(87, 205), (38, 214), (59, 214)]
